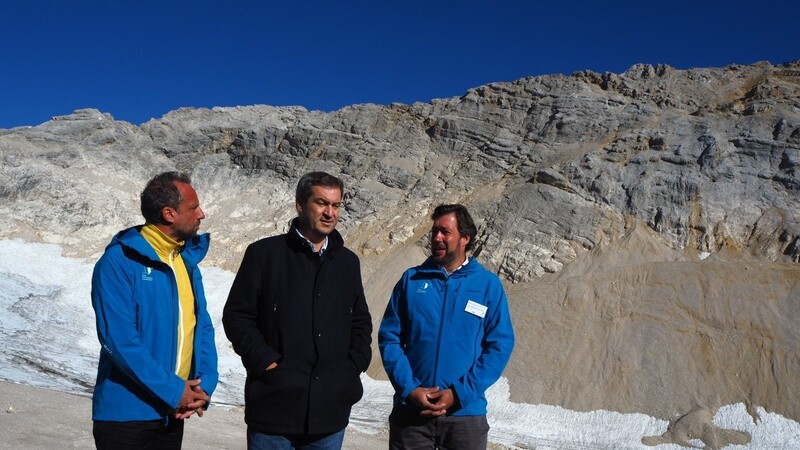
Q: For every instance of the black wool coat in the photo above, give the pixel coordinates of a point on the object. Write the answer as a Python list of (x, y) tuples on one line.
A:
[(307, 313)]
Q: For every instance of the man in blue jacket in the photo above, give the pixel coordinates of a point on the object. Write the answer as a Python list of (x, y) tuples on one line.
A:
[(445, 337), (158, 361)]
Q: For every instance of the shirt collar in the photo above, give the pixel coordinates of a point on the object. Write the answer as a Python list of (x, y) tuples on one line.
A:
[(311, 244), (466, 261)]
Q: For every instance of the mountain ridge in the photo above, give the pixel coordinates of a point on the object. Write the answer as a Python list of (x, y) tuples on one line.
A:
[(631, 176)]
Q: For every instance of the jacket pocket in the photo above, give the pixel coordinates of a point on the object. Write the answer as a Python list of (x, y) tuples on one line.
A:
[(281, 386), (347, 383), (469, 318)]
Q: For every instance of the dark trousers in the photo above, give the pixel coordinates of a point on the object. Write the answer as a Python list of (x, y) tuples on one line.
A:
[(409, 431), (138, 435)]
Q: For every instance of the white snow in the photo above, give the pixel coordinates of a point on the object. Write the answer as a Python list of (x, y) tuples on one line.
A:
[(48, 333), (769, 431)]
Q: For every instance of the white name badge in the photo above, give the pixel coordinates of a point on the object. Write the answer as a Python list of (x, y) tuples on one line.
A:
[(475, 309)]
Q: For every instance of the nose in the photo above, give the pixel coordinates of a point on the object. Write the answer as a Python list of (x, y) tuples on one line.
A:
[(438, 236), (200, 214)]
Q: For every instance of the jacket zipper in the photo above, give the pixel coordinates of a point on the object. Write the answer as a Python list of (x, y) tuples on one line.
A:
[(439, 338), (179, 337)]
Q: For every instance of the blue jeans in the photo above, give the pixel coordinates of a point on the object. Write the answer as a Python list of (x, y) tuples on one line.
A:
[(261, 441)]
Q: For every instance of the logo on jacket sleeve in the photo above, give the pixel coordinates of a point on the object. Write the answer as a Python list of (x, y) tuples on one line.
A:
[(146, 274)]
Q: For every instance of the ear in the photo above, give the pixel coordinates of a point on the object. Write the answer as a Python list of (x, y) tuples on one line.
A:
[(298, 205), (467, 240), (168, 214)]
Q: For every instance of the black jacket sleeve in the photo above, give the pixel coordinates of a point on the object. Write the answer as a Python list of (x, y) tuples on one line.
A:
[(361, 328), (240, 315)]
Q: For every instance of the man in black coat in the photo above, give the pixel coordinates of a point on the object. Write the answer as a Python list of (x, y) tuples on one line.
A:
[(297, 316)]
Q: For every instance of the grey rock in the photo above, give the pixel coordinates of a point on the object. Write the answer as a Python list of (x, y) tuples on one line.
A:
[(684, 151)]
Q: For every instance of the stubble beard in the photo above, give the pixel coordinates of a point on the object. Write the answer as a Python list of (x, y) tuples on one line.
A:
[(444, 260), (184, 234)]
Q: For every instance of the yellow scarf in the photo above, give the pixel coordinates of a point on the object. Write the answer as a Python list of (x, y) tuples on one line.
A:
[(168, 251)]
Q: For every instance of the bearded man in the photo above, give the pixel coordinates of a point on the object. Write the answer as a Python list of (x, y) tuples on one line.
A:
[(158, 361), (445, 337)]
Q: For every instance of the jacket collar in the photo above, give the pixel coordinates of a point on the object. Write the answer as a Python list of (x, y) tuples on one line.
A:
[(161, 243), (194, 250), (471, 267)]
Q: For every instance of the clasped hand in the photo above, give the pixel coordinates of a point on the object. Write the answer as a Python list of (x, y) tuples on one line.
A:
[(192, 400), (433, 402)]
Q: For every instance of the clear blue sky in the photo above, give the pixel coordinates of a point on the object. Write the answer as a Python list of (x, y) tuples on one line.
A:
[(140, 60)]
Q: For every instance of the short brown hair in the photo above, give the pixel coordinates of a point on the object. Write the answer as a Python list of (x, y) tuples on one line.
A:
[(466, 226), (161, 192)]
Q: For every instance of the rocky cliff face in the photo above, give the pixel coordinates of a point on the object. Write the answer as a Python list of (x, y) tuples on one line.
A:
[(554, 168), (707, 157)]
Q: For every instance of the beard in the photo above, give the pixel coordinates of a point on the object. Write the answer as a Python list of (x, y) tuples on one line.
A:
[(186, 233), (442, 259)]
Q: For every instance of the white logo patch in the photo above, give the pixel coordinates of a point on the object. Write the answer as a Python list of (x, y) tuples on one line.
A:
[(146, 274)]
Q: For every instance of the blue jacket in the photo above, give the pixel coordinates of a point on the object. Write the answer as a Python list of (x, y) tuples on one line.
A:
[(429, 338), (135, 299)]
